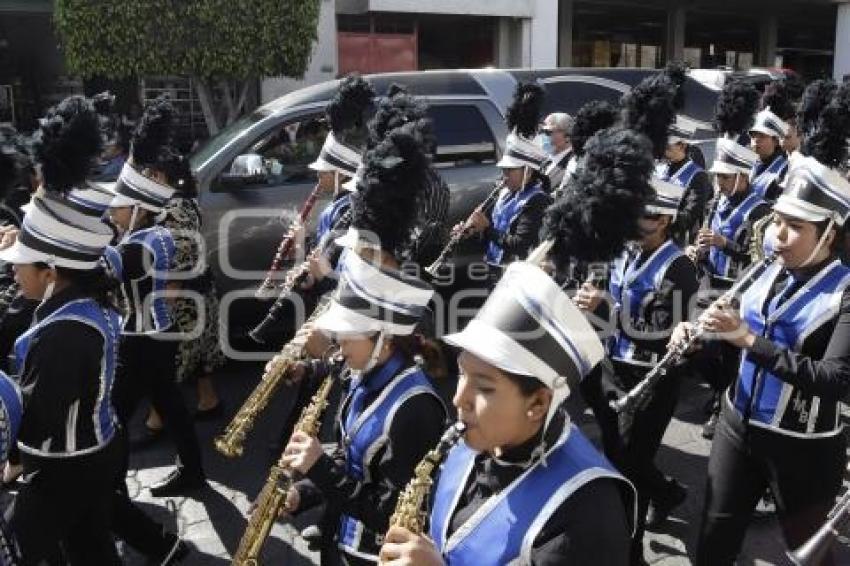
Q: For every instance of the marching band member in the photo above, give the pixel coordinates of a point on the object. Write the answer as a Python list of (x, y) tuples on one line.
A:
[(66, 362), (510, 227), (555, 141), (780, 425), (389, 419), (680, 169), (11, 410), (651, 286), (524, 486), (771, 126)]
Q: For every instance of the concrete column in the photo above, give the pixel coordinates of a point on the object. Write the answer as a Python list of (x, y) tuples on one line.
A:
[(768, 38), (544, 34), (525, 42), (676, 20), (565, 33), (504, 43), (841, 62)]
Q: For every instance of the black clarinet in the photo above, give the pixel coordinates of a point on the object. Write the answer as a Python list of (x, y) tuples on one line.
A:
[(462, 234), (294, 278), (639, 396)]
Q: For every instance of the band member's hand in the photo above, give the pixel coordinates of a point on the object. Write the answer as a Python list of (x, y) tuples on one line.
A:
[(302, 452), (693, 253), (682, 333), (316, 343), (707, 238), (320, 267), (403, 548), (458, 228), (295, 372), (478, 221), (725, 321), (8, 236), (291, 503), (588, 297)]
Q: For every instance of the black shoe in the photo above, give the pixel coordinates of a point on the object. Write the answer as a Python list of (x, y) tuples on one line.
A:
[(178, 482), (178, 551), (312, 535), (659, 508), (710, 425), (210, 414)]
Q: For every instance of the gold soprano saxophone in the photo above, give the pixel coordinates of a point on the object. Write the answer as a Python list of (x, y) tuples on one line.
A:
[(760, 227), (411, 510), (231, 442), (273, 495)]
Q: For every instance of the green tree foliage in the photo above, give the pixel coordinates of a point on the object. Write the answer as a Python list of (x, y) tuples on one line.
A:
[(221, 44)]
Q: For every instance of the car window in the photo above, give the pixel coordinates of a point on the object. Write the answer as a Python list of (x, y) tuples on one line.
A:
[(569, 96), (280, 156), (462, 134)]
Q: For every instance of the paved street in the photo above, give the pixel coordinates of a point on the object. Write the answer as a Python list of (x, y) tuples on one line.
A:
[(214, 520)]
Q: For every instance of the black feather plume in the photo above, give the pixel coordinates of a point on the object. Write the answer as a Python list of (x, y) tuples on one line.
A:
[(736, 108), (828, 143), (815, 98), (649, 109), (593, 116), (677, 72), (523, 115), (397, 109), (154, 133), (66, 144), (348, 110), (778, 96), (599, 210), (394, 186)]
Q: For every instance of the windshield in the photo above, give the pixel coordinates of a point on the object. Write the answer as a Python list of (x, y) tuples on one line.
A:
[(224, 137)]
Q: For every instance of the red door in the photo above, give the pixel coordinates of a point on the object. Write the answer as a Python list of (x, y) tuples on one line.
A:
[(376, 53)]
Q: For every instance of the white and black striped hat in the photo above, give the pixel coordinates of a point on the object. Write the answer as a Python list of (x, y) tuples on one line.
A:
[(681, 131), (93, 199), (731, 157), (770, 124), (814, 192), (336, 156), (529, 326), (54, 233), (135, 189), (667, 197), (520, 152), (370, 299)]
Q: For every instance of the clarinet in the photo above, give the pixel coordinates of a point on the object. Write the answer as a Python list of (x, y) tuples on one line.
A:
[(293, 279), (286, 244), (639, 396), (461, 235)]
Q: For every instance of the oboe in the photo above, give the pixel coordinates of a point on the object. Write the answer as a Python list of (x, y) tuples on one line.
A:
[(461, 235), (639, 396), (286, 243)]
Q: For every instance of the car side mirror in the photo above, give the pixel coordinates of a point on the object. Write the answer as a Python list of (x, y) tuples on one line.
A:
[(247, 169)]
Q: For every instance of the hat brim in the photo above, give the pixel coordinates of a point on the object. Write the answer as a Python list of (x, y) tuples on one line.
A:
[(108, 186), (339, 320), (660, 210), (723, 168), (322, 166), (766, 131), (350, 185), (508, 162), (19, 253), (120, 201), (795, 208)]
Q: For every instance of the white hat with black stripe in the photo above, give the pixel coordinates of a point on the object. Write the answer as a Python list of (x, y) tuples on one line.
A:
[(93, 199), (681, 131), (520, 152), (770, 124), (667, 197), (336, 156), (814, 193), (371, 299), (56, 234), (731, 157), (528, 326), (135, 189)]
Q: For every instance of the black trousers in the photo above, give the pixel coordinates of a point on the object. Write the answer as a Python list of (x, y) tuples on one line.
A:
[(146, 367), (804, 475), (633, 450), (64, 508)]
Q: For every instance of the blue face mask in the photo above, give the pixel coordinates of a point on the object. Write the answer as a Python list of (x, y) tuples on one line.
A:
[(545, 143)]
